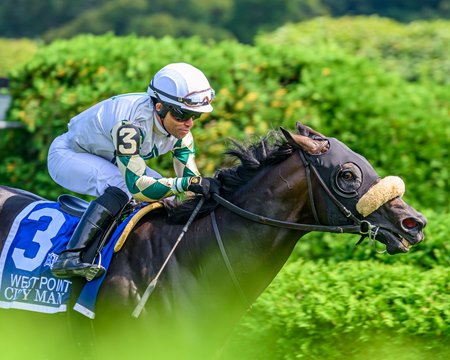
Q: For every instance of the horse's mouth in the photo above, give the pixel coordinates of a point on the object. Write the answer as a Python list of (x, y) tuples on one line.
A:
[(395, 243)]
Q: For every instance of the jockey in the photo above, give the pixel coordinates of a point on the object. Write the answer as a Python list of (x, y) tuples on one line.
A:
[(103, 154)]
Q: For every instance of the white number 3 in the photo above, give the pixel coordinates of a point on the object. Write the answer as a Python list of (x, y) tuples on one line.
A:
[(42, 238), (128, 140)]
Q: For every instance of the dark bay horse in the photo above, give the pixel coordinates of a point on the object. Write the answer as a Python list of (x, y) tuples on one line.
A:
[(283, 187)]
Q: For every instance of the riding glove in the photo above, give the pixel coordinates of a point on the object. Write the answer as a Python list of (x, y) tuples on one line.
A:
[(204, 186)]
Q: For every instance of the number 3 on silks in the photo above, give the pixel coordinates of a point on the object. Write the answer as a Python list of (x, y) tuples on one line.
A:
[(42, 238), (128, 140)]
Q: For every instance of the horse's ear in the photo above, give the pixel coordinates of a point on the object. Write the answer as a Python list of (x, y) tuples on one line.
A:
[(307, 131), (311, 146), (302, 129), (296, 140)]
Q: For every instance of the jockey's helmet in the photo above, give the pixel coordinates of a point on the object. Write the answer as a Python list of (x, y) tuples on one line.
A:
[(184, 86)]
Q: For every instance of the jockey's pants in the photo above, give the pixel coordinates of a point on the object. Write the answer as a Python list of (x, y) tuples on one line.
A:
[(82, 172)]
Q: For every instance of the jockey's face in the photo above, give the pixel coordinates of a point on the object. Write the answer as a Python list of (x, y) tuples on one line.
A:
[(175, 127)]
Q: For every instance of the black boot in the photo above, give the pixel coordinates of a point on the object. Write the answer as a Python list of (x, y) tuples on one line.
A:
[(91, 227)]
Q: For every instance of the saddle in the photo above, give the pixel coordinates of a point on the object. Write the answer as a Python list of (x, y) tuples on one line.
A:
[(72, 205), (75, 206)]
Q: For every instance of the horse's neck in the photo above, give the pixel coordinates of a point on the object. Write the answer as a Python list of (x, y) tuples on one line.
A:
[(257, 252), (197, 273), (279, 192)]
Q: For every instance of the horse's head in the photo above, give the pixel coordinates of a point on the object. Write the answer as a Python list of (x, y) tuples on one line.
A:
[(346, 189)]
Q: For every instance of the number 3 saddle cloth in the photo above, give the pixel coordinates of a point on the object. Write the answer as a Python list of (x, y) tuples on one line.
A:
[(38, 233)]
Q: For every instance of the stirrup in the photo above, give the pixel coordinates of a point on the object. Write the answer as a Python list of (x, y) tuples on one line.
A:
[(94, 271), (89, 272), (71, 265)]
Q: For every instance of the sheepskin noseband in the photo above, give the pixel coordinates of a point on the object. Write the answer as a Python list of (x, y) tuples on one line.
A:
[(383, 191)]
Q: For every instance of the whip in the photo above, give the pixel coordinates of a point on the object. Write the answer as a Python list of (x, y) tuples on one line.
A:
[(137, 311)]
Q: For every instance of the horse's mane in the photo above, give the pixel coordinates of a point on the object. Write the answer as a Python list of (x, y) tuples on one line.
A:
[(249, 160)]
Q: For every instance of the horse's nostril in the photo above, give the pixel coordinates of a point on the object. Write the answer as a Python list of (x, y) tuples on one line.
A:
[(410, 223)]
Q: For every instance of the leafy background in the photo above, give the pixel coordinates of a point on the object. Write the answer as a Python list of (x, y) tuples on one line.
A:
[(378, 84), (210, 19)]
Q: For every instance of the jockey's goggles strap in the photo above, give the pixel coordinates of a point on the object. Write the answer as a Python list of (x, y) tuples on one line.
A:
[(202, 101)]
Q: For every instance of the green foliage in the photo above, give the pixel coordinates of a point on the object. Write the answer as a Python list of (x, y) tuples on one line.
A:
[(356, 96), (252, 16), (140, 17), (19, 18), (209, 19), (332, 301), (15, 52), (416, 51), (403, 128), (336, 311), (401, 10)]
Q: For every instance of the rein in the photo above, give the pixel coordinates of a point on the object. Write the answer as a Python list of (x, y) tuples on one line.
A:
[(363, 227), (284, 224)]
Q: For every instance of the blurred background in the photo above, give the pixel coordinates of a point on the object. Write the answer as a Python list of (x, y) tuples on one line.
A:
[(375, 74), (213, 19)]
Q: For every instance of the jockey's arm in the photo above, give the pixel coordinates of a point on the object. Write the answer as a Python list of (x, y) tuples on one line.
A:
[(184, 157), (127, 141)]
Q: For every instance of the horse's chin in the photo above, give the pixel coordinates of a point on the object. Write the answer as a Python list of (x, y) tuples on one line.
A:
[(395, 243)]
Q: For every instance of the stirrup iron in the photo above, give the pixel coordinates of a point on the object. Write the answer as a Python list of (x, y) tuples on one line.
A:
[(95, 269)]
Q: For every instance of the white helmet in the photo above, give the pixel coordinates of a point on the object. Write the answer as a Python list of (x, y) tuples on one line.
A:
[(184, 86)]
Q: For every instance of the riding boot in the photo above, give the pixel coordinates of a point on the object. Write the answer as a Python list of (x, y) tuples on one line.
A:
[(92, 226)]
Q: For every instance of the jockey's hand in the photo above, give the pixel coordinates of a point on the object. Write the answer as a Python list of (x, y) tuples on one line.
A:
[(204, 186)]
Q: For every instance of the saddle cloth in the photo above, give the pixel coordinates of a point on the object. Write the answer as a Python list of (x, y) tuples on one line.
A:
[(38, 233)]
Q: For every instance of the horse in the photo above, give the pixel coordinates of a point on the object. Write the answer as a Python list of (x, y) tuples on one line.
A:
[(279, 188)]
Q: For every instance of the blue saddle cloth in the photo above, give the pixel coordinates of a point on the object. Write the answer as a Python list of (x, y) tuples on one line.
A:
[(37, 235)]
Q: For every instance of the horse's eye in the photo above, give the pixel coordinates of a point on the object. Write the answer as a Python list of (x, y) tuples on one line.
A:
[(347, 175), (347, 179)]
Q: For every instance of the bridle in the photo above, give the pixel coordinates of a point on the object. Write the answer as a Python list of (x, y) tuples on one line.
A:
[(362, 227)]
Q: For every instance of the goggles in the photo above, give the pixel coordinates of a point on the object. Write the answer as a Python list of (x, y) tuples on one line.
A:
[(182, 115), (193, 99)]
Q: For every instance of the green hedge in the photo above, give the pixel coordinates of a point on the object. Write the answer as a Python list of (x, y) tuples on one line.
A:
[(351, 310), (418, 50), (15, 52), (335, 301), (401, 127)]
